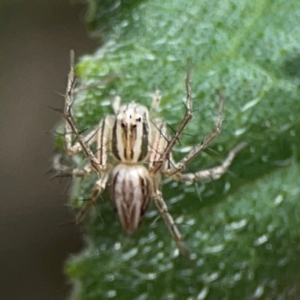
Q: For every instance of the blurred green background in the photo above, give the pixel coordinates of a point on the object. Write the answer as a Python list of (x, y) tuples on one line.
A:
[(242, 230)]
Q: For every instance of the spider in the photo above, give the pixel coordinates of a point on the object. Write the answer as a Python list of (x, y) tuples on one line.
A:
[(133, 152)]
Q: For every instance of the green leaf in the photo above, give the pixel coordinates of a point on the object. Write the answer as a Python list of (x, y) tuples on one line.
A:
[(242, 230)]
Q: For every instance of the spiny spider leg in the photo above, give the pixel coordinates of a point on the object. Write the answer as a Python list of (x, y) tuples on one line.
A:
[(67, 170), (155, 103), (89, 203), (70, 125), (163, 209), (89, 139), (187, 117), (104, 141), (115, 104), (98, 163), (159, 144), (213, 173), (210, 138), (203, 145)]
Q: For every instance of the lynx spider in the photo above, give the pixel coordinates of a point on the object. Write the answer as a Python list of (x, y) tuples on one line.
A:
[(133, 151)]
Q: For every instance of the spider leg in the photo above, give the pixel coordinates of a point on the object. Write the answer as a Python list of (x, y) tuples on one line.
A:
[(70, 123), (156, 98), (101, 134), (65, 170), (68, 128), (75, 148), (158, 145), (88, 204), (187, 117), (213, 173), (115, 104), (203, 145), (163, 209)]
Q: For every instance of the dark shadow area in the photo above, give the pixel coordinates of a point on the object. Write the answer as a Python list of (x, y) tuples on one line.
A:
[(35, 40), (291, 67)]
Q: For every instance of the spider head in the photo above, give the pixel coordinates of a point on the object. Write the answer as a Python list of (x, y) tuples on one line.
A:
[(131, 135)]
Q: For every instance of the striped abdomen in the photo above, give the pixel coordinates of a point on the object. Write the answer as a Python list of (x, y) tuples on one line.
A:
[(130, 192)]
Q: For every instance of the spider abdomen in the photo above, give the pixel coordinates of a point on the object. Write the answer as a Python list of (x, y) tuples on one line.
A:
[(130, 192)]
